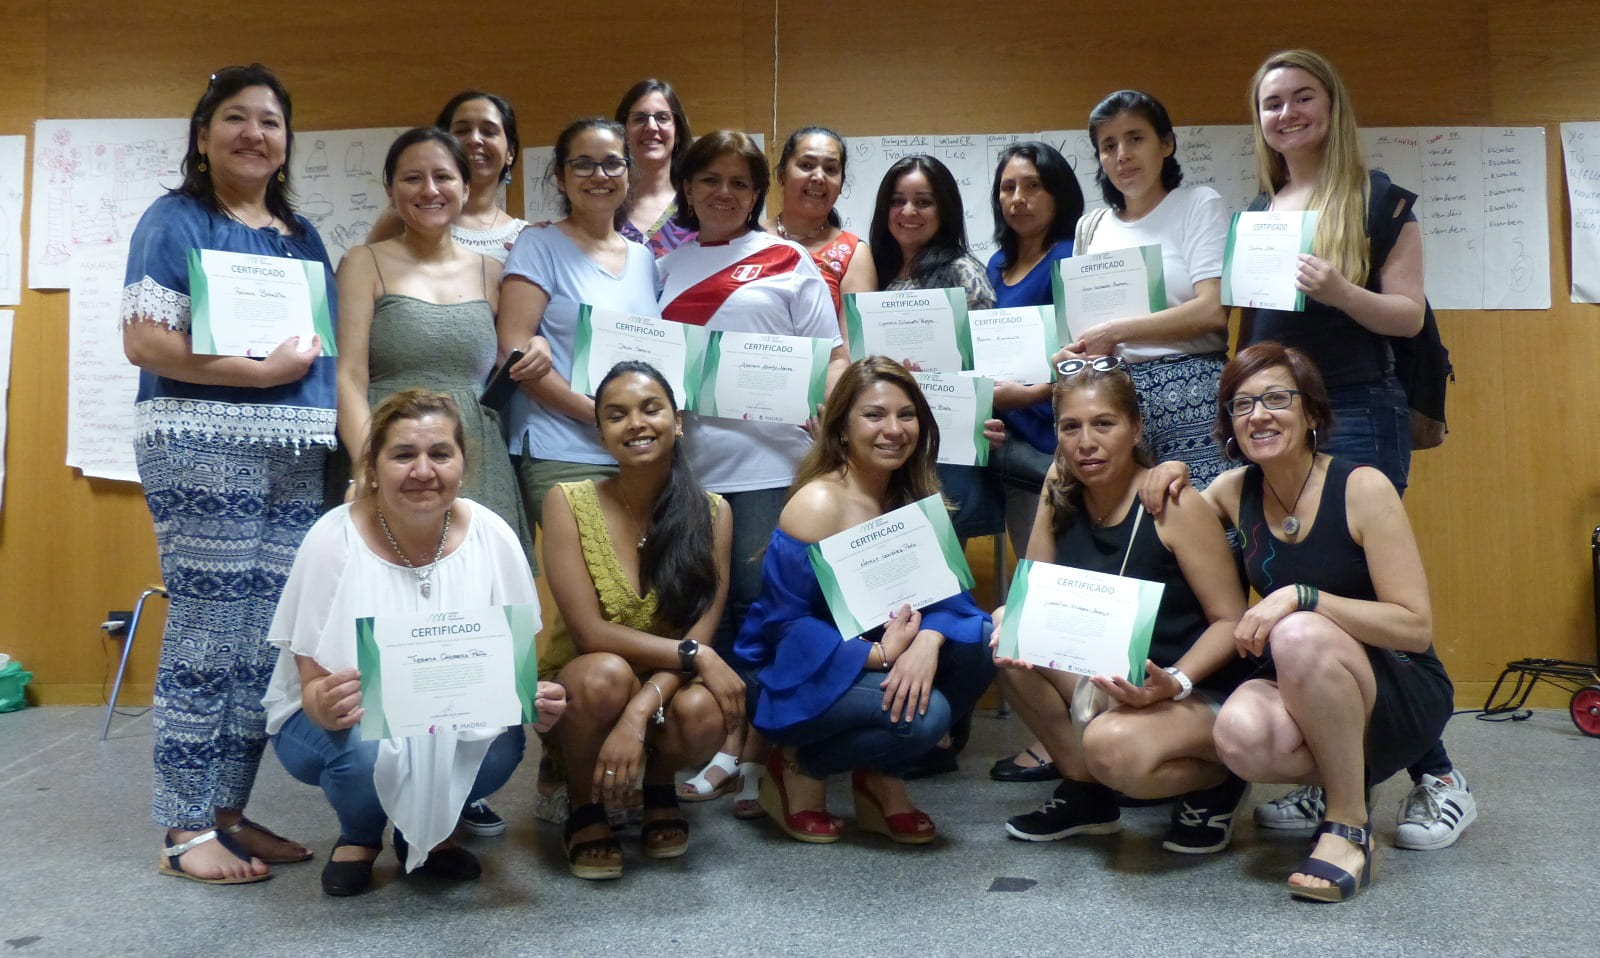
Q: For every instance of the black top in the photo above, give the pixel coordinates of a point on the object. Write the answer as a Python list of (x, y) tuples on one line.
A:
[(1325, 557), (1346, 352), (1180, 619)]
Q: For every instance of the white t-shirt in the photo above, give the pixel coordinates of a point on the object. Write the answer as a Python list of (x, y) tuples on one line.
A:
[(1191, 225), (550, 260), (756, 283)]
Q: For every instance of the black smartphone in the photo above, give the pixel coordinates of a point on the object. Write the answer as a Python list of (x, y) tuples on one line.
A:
[(498, 392)]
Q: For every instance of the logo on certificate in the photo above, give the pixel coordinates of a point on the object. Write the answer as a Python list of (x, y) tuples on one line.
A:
[(746, 273)]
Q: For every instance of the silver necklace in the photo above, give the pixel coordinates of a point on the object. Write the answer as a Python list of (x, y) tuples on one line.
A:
[(783, 231), (1291, 522), (424, 576)]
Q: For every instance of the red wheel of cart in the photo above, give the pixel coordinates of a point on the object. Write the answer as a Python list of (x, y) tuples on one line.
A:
[(1586, 710)]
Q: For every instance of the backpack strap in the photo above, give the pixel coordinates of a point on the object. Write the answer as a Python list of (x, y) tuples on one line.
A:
[(1087, 224)]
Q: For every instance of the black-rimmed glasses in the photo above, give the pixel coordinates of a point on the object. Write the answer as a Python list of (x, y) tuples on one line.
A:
[(611, 166), (1272, 399), (1100, 364), (663, 119)]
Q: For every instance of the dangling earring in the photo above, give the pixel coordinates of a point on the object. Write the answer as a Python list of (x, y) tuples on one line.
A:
[(282, 177), (1230, 448), (1313, 441), (505, 175), (202, 167)]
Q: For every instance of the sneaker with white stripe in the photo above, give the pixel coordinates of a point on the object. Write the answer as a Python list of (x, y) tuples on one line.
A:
[(1436, 812)]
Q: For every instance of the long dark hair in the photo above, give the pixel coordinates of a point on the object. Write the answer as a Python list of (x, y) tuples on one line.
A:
[(917, 478), (224, 84), (681, 135), (948, 243), (427, 134), (1117, 386), (1057, 178), (1148, 108), (508, 123), (678, 559), (793, 143)]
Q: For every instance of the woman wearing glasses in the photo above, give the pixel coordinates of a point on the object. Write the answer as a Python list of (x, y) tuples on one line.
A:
[(658, 136), (1155, 740), (1356, 692)]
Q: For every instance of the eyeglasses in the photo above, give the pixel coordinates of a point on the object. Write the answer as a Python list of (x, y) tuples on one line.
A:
[(1272, 399), (663, 119), (1100, 364), (585, 167)]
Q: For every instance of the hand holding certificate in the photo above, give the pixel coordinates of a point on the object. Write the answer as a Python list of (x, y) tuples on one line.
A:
[(1258, 268), (242, 304), (1098, 287), (432, 672), (606, 337), (762, 377), (927, 326), (908, 556), (1074, 620)]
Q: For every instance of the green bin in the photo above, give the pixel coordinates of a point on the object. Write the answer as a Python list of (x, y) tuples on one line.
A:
[(12, 680)]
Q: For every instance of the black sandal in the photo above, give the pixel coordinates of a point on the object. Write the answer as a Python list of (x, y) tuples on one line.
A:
[(666, 837), (604, 855), (1345, 885)]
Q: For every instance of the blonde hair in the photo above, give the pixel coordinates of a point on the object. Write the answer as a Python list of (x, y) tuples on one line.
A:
[(1340, 195)]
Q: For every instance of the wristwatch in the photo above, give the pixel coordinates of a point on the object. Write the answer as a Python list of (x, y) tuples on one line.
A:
[(687, 650), (1185, 687)]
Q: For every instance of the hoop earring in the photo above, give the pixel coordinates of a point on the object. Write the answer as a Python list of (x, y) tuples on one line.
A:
[(1231, 449), (1313, 441), (202, 167), (282, 177)]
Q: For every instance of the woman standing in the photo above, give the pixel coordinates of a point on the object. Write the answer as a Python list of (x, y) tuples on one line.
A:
[(658, 137), (811, 171), (230, 451)]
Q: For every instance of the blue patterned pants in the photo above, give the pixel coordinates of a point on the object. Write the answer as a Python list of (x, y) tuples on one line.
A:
[(1178, 399), (228, 519)]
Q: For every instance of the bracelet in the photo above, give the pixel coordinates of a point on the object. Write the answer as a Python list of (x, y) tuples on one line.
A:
[(883, 656), (661, 702), (1306, 597)]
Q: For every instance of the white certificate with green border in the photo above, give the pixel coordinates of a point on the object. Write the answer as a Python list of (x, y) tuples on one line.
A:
[(430, 672), (763, 377), (908, 556), (1262, 256), (242, 304), (1014, 343), (1074, 620), (605, 337), (926, 326), (960, 404), (1115, 284)]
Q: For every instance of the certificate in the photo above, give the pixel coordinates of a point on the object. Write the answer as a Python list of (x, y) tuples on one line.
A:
[(1258, 266), (960, 405), (241, 304), (606, 337), (762, 377), (908, 556), (1098, 287), (429, 672), (1014, 343), (926, 326), (1074, 620)]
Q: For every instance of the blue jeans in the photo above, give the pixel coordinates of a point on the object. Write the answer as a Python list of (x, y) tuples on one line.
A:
[(1021, 469), (980, 505), (755, 515), (1372, 426), (855, 732), (340, 763)]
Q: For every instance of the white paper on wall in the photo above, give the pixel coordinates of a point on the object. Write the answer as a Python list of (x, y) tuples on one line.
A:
[(7, 318), (337, 179), (1580, 149), (13, 157), (101, 383), (92, 180)]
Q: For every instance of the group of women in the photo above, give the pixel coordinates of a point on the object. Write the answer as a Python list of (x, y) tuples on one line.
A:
[(690, 626)]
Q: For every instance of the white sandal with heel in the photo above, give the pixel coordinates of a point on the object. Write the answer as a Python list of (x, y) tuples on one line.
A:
[(700, 789)]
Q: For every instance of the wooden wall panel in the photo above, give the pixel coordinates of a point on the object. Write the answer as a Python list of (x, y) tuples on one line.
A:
[(1503, 511)]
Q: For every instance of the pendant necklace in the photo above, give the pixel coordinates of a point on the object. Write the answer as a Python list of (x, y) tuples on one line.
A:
[(1291, 522), (644, 534), (802, 240), (424, 576)]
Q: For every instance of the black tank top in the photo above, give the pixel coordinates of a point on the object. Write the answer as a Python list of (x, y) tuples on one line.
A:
[(1327, 557)]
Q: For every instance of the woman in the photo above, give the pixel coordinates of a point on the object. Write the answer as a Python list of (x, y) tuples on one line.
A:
[(638, 565), (419, 312), (1357, 692), (1155, 741), (1363, 284), (246, 436), (825, 698), (486, 127), (408, 544), (811, 172), (658, 137)]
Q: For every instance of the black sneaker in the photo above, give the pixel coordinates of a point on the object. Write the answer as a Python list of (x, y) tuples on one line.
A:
[(479, 819), (1202, 822), (1077, 808)]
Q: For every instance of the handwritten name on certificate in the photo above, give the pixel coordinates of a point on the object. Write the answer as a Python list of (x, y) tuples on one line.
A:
[(606, 337), (960, 405), (927, 326), (1098, 287), (1074, 620), (762, 377), (431, 672), (241, 304), (908, 556), (1014, 343), (1259, 264)]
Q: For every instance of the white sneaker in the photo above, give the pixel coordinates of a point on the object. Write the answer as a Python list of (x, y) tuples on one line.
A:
[(1301, 808), (1435, 813)]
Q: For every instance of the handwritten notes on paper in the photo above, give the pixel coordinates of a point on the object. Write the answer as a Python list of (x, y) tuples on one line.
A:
[(338, 183), (1580, 148), (92, 180), (13, 154), (101, 383)]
